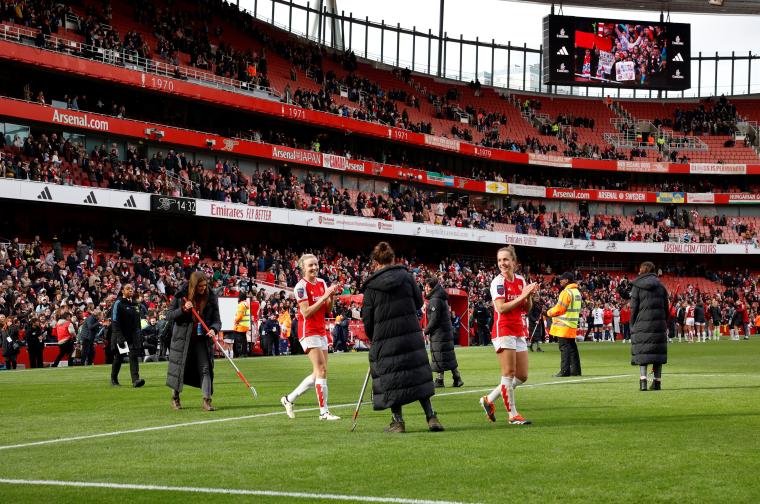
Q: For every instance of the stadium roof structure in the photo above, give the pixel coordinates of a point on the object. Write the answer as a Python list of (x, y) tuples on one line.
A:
[(736, 7)]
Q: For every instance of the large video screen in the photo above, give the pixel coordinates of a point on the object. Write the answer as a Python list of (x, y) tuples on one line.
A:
[(583, 51)]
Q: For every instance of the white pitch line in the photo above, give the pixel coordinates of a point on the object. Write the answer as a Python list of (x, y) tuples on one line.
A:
[(223, 491), (271, 413)]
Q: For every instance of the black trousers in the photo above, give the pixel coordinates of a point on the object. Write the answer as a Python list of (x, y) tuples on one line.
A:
[(88, 352), (10, 363), (570, 363), (626, 331), (35, 354), (66, 348), (240, 348), (270, 345), (134, 365), (484, 335)]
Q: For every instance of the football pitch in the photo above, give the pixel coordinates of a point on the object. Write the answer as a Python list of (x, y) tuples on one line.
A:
[(68, 436)]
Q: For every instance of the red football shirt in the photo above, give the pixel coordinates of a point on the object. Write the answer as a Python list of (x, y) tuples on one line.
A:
[(508, 324), (311, 292)]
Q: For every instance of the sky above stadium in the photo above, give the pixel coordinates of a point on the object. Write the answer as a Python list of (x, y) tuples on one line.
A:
[(520, 22)]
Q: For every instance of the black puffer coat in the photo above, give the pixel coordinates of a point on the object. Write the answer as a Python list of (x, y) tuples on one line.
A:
[(440, 331), (649, 321), (401, 372), (183, 368)]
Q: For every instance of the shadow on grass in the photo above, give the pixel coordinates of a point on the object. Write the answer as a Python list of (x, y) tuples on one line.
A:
[(645, 420), (680, 389)]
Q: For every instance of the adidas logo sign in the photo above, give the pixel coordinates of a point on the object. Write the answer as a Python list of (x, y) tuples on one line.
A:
[(563, 51), (678, 57), (45, 194), (90, 199), (130, 203)]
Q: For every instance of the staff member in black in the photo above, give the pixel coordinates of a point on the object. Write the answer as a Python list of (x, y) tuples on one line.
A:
[(398, 361), (536, 327), (191, 355), (649, 314), (10, 342), (440, 332), (125, 327), (36, 334), (482, 316)]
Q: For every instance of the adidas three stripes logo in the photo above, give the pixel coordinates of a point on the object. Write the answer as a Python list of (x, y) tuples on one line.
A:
[(45, 194)]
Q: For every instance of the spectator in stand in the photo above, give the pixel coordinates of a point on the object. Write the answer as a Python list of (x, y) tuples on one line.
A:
[(649, 313)]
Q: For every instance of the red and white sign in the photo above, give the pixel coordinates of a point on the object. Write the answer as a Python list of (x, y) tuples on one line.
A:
[(642, 167), (442, 142), (80, 120), (549, 160), (571, 194), (717, 169), (342, 163), (621, 196), (296, 155), (704, 198), (690, 248), (744, 198), (527, 190)]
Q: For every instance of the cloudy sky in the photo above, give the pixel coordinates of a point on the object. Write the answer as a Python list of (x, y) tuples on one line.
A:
[(520, 22)]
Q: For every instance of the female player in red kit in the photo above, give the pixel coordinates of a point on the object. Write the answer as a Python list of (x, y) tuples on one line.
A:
[(314, 300), (512, 299)]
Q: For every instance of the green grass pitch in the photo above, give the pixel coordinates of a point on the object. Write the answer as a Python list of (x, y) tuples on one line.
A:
[(594, 439)]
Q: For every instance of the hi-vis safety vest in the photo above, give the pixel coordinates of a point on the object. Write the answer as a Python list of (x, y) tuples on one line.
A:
[(566, 313), (243, 318)]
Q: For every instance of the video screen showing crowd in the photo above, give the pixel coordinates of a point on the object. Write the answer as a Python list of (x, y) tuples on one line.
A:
[(617, 53)]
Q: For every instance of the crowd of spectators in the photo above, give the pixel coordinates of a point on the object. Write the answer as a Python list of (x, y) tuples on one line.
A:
[(44, 285), (55, 159), (709, 118)]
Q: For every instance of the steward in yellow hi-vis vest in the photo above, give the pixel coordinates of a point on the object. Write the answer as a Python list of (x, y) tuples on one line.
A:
[(565, 315), (242, 326)]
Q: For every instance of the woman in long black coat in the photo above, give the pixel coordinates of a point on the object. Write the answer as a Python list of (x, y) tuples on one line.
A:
[(191, 353), (649, 322), (440, 332), (399, 364), (10, 341)]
